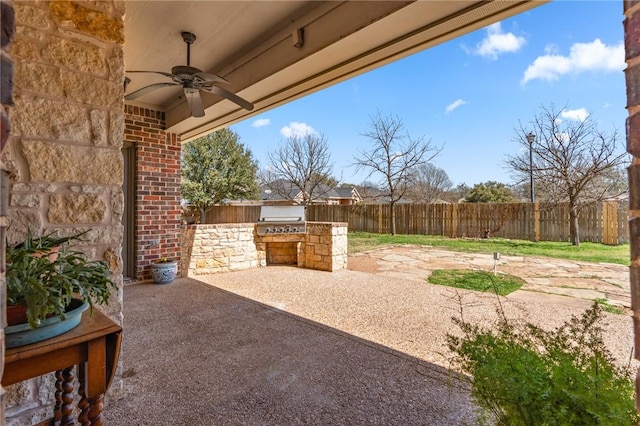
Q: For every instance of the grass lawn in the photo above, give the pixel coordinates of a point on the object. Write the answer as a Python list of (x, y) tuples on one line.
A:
[(484, 281), (588, 252)]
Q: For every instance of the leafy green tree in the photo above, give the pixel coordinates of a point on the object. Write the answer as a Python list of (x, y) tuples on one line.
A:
[(490, 192), (217, 167)]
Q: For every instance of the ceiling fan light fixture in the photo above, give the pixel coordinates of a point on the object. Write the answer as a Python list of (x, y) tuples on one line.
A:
[(189, 88)]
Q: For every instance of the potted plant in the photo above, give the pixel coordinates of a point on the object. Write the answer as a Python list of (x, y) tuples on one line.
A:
[(163, 270), (45, 285), (47, 243)]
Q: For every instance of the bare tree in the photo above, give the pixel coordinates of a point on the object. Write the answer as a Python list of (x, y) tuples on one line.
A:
[(430, 183), (569, 161), (302, 165), (392, 157), (458, 193)]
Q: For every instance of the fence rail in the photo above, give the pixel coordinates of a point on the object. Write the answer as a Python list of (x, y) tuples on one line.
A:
[(604, 222)]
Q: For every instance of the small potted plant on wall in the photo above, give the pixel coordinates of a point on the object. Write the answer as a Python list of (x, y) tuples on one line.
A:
[(47, 284), (164, 270)]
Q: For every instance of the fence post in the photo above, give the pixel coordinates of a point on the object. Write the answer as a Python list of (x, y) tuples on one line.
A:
[(610, 223), (454, 221)]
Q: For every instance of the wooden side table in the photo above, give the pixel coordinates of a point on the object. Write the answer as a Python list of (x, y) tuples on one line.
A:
[(93, 346)]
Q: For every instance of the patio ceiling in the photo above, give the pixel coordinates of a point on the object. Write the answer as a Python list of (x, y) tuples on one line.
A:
[(251, 44)]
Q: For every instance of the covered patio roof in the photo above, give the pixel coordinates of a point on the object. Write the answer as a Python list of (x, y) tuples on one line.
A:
[(273, 52)]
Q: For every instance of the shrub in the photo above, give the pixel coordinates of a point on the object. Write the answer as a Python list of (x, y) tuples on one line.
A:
[(524, 375)]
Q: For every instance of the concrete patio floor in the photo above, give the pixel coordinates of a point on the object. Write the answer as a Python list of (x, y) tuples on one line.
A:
[(198, 355), (282, 346)]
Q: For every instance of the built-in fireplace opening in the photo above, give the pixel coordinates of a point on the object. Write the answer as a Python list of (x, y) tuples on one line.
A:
[(282, 253)]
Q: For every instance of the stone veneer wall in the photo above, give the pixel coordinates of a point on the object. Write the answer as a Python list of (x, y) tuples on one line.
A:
[(7, 30), (326, 246), (208, 249), (64, 154), (632, 75), (157, 205)]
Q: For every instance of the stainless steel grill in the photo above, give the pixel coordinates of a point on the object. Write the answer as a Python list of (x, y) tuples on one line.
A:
[(281, 220)]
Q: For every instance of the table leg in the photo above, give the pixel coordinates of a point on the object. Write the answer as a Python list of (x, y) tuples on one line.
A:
[(96, 379), (83, 404), (67, 396), (57, 409), (95, 411)]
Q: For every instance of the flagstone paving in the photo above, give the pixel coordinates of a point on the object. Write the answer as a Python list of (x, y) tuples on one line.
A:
[(546, 278)]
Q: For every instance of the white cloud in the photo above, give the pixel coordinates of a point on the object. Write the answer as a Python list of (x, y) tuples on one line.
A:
[(579, 114), (453, 105), (261, 122), (297, 129), (594, 56), (497, 42)]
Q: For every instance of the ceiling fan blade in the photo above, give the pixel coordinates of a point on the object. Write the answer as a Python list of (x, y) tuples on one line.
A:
[(231, 96), (195, 102), (166, 74), (147, 89), (210, 78)]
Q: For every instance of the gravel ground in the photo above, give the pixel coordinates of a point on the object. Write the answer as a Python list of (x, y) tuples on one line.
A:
[(289, 346), (197, 355), (408, 316)]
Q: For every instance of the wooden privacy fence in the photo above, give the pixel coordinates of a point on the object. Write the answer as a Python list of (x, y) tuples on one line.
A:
[(604, 222)]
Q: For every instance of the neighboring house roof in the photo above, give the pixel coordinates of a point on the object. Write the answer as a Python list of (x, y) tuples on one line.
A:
[(348, 193), (371, 195), (282, 190)]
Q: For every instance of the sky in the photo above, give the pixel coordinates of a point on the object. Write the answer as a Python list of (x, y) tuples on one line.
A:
[(470, 94)]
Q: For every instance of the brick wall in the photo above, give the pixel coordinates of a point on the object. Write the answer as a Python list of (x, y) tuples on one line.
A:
[(157, 203), (632, 74)]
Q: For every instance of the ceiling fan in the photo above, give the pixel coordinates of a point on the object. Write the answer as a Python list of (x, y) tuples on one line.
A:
[(192, 81)]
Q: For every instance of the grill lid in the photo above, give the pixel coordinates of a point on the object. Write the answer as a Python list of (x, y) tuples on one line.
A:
[(281, 214), (281, 220)]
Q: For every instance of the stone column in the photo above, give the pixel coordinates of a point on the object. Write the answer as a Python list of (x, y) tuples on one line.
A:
[(632, 74), (7, 28), (64, 155)]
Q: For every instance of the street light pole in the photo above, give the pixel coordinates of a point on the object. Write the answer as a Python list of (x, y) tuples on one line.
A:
[(531, 138)]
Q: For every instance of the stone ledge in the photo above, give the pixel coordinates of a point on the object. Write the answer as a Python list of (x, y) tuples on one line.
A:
[(212, 248)]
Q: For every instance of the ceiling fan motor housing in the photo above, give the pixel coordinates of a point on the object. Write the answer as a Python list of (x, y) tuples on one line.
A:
[(184, 72)]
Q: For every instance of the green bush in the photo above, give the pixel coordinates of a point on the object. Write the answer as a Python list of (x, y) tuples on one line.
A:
[(529, 376)]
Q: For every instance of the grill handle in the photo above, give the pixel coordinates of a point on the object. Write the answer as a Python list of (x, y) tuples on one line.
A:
[(281, 219)]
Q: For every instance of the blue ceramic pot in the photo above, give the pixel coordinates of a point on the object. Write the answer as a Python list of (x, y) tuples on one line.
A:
[(164, 272), (22, 334)]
